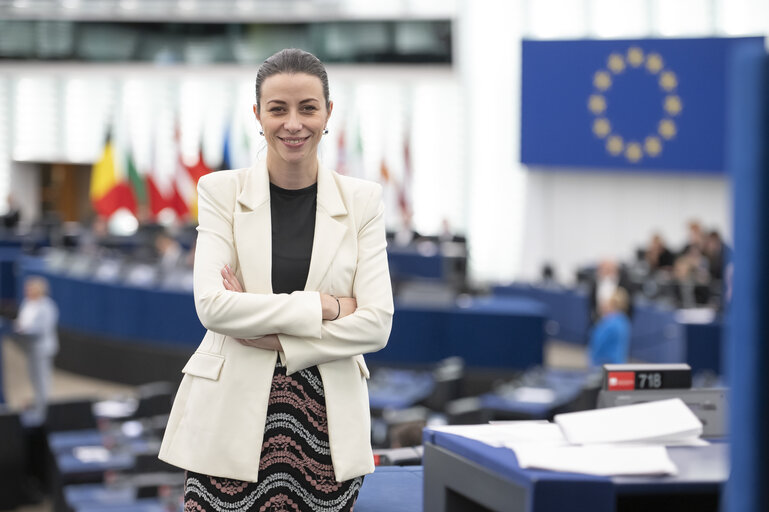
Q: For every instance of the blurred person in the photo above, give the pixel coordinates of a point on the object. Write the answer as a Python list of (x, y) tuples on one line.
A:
[(93, 240), (691, 273), (35, 328), (12, 216), (608, 277), (291, 281), (610, 338), (169, 251), (719, 255), (695, 238), (657, 255), (406, 234)]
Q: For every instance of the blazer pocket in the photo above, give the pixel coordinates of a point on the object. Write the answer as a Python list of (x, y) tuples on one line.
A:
[(362, 366), (203, 364)]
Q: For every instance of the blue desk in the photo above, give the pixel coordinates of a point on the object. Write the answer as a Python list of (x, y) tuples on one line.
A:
[(459, 470), (121, 312), (390, 489), (489, 332), (658, 337), (568, 310), (408, 262)]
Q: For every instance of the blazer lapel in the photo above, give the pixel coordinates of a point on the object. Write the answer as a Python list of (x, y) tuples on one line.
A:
[(329, 231), (253, 230)]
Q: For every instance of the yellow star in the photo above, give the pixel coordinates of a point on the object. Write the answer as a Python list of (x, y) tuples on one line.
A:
[(667, 128), (668, 81), (653, 145), (616, 63), (596, 104), (633, 152), (602, 80), (614, 145), (654, 63), (635, 56), (601, 127), (673, 105)]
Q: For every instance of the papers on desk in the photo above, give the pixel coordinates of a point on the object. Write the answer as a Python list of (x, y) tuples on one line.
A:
[(655, 422), (627, 440), (601, 460)]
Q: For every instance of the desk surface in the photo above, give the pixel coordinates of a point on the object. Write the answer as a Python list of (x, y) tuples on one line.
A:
[(701, 470)]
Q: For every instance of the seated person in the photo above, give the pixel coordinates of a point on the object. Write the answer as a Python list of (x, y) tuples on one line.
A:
[(610, 338), (657, 255)]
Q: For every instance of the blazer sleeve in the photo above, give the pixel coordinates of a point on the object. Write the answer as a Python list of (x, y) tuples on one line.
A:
[(240, 315), (368, 328)]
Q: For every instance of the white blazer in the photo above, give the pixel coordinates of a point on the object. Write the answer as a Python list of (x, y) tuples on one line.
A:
[(217, 421)]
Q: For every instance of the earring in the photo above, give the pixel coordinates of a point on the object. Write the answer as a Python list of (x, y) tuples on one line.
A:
[(261, 132), (325, 131)]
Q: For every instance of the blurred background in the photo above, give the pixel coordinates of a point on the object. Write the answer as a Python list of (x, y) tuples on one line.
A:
[(518, 202)]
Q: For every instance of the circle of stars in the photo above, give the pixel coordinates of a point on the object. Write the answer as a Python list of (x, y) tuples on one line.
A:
[(651, 146)]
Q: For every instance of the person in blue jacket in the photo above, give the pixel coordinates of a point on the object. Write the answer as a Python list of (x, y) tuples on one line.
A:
[(610, 338)]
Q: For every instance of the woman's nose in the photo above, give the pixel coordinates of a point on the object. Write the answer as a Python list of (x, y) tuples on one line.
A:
[(293, 123)]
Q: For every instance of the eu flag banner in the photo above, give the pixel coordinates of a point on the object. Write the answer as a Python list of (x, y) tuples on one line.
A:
[(648, 104)]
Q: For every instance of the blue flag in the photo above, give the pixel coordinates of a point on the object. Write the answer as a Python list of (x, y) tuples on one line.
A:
[(656, 104)]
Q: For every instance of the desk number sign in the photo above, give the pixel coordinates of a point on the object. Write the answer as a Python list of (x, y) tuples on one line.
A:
[(647, 377)]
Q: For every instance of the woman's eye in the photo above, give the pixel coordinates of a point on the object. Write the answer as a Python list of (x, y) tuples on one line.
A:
[(309, 108), (277, 109)]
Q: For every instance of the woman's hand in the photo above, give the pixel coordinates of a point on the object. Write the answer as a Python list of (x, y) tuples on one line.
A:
[(231, 282), (269, 342), (346, 306)]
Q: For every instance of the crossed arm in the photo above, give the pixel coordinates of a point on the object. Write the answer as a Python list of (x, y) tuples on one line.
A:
[(332, 311), (304, 324)]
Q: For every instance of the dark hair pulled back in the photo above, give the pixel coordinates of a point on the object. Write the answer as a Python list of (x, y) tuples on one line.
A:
[(291, 60)]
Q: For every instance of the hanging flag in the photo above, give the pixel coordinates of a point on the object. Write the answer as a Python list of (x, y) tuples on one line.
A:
[(196, 171), (404, 198), (138, 184), (226, 157), (341, 153), (355, 157), (384, 172), (109, 193), (655, 104)]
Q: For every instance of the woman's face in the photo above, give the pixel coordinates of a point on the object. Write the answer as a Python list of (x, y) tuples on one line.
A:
[(293, 116)]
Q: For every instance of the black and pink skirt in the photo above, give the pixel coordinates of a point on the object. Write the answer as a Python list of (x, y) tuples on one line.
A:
[(295, 471)]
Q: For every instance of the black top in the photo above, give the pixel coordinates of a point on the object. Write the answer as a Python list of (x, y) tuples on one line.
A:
[(293, 228)]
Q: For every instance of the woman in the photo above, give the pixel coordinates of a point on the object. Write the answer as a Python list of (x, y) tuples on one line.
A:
[(35, 327), (291, 281)]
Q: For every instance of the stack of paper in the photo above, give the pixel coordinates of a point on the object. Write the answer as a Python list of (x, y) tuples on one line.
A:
[(660, 422), (627, 440)]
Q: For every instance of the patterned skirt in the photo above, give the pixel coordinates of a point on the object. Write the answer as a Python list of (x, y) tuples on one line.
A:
[(295, 471)]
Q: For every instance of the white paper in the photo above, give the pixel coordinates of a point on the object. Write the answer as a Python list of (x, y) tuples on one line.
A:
[(660, 421), (502, 434), (602, 460)]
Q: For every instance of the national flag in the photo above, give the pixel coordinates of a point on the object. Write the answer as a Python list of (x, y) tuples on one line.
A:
[(627, 104), (188, 184), (108, 192), (138, 183), (341, 153), (405, 189), (384, 172), (226, 156)]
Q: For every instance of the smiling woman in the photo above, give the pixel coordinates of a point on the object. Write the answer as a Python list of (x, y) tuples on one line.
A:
[(291, 281), (293, 112)]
